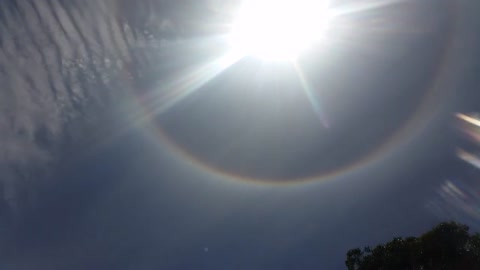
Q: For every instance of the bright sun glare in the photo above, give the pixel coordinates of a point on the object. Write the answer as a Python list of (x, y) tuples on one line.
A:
[(278, 29)]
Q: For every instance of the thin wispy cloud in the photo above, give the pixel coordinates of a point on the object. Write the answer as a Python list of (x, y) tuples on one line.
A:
[(61, 65)]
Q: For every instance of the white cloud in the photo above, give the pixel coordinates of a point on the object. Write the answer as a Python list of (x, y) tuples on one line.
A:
[(54, 72)]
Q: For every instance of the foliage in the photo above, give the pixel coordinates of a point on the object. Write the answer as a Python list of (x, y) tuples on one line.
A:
[(448, 246)]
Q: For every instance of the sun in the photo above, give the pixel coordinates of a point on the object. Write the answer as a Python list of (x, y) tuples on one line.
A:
[(278, 29)]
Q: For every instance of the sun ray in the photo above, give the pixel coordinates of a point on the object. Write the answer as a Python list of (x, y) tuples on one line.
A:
[(161, 97), (312, 98), (362, 7)]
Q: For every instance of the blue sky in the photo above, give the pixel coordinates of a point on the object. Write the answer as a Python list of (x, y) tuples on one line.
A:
[(114, 153)]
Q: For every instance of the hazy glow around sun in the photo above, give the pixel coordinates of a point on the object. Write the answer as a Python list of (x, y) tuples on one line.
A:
[(278, 29)]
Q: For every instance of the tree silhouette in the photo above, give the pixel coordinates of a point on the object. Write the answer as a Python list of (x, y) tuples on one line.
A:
[(448, 246)]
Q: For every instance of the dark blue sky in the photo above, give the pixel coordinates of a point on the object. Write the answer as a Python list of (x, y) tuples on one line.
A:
[(89, 180)]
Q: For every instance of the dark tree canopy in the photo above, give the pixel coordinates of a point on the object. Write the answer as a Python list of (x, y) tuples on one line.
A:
[(448, 246)]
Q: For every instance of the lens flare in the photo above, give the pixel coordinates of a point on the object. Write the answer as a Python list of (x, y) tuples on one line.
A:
[(460, 196), (469, 119), (469, 158)]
